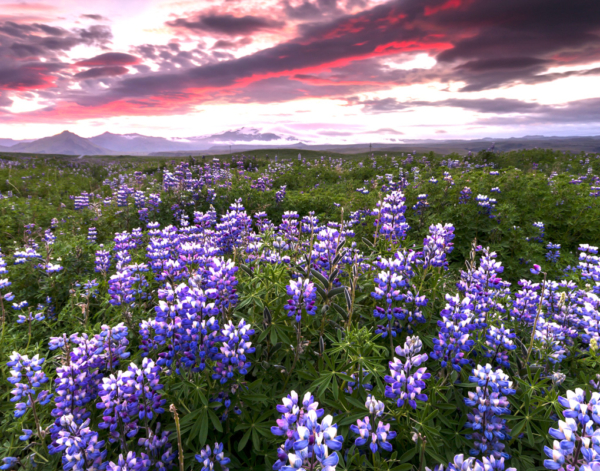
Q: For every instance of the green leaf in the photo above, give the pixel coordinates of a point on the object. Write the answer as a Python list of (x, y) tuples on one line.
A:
[(244, 439), (203, 428), (215, 420), (408, 455)]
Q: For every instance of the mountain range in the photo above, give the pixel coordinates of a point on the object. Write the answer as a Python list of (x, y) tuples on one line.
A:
[(245, 139), (68, 143)]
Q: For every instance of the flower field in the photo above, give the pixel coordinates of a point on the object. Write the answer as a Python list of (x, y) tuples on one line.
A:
[(301, 312)]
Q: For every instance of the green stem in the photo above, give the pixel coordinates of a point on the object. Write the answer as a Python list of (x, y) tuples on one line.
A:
[(537, 316), (179, 445)]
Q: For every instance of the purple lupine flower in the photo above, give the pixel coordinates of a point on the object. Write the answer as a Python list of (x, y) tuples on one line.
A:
[(80, 447), (576, 440), (27, 386), (465, 195), (389, 292), (437, 245), (158, 449), (553, 253), (379, 438), (454, 340), (305, 435), (488, 402), (304, 295), (232, 356), (280, 194), (499, 341), (130, 462), (102, 261), (92, 234), (391, 221), (82, 201), (404, 385), (208, 457)]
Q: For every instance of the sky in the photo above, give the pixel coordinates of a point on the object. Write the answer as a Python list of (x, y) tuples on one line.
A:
[(328, 71)]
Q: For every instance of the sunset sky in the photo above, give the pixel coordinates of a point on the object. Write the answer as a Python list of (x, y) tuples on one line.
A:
[(325, 70)]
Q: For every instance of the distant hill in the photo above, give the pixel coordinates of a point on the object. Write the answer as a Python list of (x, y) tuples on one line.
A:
[(134, 143), (66, 143), (5, 142), (140, 144), (247, 139)]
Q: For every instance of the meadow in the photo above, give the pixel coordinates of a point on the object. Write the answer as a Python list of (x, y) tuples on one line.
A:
[(306, 311)]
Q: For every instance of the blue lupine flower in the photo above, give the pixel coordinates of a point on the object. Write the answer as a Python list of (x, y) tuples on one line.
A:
[(489, 430), (209, 457), (304, 295), (404, 385)]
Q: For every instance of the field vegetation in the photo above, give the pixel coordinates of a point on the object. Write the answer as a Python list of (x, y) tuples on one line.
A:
[(310, 311)]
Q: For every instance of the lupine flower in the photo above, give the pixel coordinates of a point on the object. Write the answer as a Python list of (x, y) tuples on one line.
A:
[(232, 356), (9, 462), (28, 388), (454, 337), (471, 464), (304, 295), (280, 194), (576, 440), (208, 458), (80, 447), (131, 462), (465, 195), (437, 245), (488, 403), (553, 253), (92, 234), (391, 221), (379, 438), (404, 385), (102, 261), (499, 339)]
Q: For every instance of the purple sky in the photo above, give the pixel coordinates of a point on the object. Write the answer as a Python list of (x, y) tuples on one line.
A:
[(325, 70)]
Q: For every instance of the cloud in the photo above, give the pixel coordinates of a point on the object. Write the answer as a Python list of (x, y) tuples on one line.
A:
[(5, 101), (574, 112), (480, 105), (226, 24), (30, 76), (110, 59), (226, 44), (31, 55), (483, 44), (97, 72), (308, 10), (387, 131), (95, 17), (521, 112)]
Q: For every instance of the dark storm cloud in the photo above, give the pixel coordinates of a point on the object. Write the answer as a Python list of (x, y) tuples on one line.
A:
[(226, 24)]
